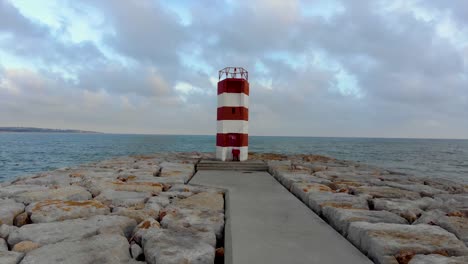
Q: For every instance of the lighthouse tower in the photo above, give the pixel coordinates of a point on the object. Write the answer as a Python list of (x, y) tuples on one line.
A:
[(232, 139)]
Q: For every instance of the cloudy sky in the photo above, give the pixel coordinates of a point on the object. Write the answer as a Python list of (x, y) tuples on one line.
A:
[(395, 68)]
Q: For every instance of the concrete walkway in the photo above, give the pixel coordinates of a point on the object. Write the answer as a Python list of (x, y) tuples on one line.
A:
[(267, 224)]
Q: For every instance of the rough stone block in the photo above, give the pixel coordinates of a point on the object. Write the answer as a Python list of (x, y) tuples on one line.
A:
[(340, 219), (96, 249), (9, 209), (68, 193), (174, 246), (58, 210), (10, 257), (318, 200), (385, 192), (438, 259), (383, 242), (70, 230)]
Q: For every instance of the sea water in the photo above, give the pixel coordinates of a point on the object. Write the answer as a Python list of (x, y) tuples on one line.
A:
[(27, 153)]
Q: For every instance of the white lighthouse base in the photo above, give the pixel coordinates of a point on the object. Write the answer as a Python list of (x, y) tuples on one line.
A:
[(225, 153)]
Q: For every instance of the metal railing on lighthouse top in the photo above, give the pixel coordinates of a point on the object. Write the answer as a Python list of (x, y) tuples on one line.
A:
[(233, 72)]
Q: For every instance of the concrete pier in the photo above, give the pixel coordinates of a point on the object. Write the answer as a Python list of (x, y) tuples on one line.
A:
[(267, 224)]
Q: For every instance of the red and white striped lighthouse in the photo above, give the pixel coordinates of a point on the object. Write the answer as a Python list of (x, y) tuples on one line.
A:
[(232, 138)]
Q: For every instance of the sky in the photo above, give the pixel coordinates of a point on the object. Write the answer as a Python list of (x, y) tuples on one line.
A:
[(383, 68)]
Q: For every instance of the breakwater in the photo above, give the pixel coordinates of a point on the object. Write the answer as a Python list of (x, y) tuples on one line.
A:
[(142, 209)]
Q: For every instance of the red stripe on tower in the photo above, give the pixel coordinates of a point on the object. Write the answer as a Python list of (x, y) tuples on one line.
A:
[(232, 114)]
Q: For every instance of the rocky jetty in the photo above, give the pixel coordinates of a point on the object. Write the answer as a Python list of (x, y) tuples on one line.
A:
[(142, 209), (391, 217), (125, 210)]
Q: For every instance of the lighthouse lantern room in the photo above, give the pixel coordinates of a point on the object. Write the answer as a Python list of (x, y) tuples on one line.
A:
[(232, 138)]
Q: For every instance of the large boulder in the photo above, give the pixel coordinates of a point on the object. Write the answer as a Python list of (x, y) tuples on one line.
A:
[(5, 230), (438, 259), (175, 246), (384, 192), (60, 177), (202, 211), (10, 257), (9, 209), (318, 200), (389, 243), (454, 222), (202, 201), (135, 214), (143, 227), (113, 198), (3, 245), (68, 193), (71, 230), (408, 209), (340, 219), (96, 249), (303, 189), (172, 169), (12, 190), (423, 190), (58, 210), (444, 184)]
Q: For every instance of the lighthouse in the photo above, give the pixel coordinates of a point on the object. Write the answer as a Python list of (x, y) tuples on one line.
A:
[(232, 138)]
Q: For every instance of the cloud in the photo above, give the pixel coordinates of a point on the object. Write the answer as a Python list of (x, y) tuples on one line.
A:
[(317, 68)]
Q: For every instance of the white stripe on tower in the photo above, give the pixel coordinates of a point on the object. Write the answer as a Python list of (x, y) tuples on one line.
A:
[(233, 99), (232, 126)]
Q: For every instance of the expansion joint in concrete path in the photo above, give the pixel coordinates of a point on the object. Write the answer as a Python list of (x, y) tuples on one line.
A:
[(265, 223)]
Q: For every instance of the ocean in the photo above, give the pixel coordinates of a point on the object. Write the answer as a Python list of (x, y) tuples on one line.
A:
[(27, 153)]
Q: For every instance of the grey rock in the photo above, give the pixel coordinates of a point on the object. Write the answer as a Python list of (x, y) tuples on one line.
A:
[(303, 189), (136, 250), (113, 198), (454, 223), (5, 230), (444, 184), (175, 195), (408, 209), (9, 209), (162, 201), (423, 190), (96, 249), (172, 169), (385, 192), (383, 242), (143, 227), (70, 230), (68, 193), (318, 200), (174, 246), (10, 257), (202, 211), (202, 201), (96, 185), (12, 190), (60, 177), (3, 245), (453, 201), (58, 210), (135, 214), (340, 219), (201, 220), (438, 259)]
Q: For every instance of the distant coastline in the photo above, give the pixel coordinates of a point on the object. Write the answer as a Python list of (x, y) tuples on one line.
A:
[(43, 130)]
